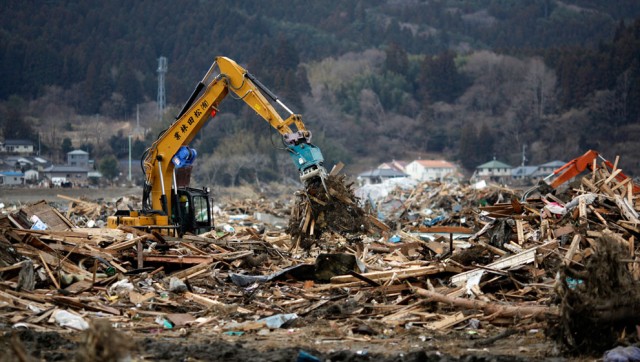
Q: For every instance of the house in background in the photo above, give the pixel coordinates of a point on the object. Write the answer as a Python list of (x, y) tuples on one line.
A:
[(394, 165), (17, 147), (524, 173), (546, 169), (78, 158), (431, 170), (378, 175), (9, 178), (59, 175), (493, 171), (75, 172), (31, 176)]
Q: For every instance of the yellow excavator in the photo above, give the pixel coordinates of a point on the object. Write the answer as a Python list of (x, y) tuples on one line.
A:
[(174, 209)]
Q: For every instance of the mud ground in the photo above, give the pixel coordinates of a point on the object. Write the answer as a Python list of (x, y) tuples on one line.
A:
[(290, 345), (21, 196)]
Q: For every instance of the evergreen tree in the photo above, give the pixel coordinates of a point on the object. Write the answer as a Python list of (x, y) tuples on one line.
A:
[(66, 147), (14, 124), (485, 144), (396, 59), (468, 147), (109, 167)]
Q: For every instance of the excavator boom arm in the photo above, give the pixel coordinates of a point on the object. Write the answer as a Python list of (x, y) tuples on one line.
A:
[(580, 164), (201, 106)]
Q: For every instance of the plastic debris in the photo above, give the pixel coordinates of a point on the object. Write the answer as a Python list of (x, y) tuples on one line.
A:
[(177, 286), (67, 319), (278, 320), (622, 354)]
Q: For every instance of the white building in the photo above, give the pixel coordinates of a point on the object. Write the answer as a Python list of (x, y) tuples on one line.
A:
[(494, 171), (378, 175), (78, 158), (394, 165), (430, 170), (546, 169), (9, 178), (17, 147)]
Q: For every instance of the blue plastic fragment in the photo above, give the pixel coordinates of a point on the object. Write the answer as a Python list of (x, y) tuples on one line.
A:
[(433, 221), (573, 283), (233, 333), (622, 354), (306, 357)]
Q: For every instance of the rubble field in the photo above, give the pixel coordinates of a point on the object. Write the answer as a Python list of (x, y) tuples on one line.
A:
[(401, 271)]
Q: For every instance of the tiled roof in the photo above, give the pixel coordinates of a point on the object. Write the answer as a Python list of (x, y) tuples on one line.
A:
[(435, 164), (494, 164)]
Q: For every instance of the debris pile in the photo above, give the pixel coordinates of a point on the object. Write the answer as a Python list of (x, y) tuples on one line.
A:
[(334, 211), (427, 260)]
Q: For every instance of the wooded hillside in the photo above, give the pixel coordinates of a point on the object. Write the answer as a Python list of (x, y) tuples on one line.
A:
[(465, 80)]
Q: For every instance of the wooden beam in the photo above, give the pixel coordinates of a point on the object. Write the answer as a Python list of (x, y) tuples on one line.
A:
[(46, 267), (389, 274), (568, 257), (537, 312)]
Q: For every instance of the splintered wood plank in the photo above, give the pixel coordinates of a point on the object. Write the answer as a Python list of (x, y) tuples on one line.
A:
[(621, 185), (202, 300), (564, 230), (568, 257), (434, 246), (186, 272), (336, 169), (520, 229), (340, 197), (307, 219), (23, 303), (401, 315), (195, 259), (582, 208), (602, 220), (68, 267), (448, 321), (76, 235), (382, 226), (48, 214), (612, 176), (607, 190), (589, 184), (46, 267), (388, 274), (193, 248), (313, 307), (626, 209), (123, 245), (525, 257), (447, 229)]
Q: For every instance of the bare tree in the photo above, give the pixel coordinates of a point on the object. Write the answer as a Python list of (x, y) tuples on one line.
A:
[(370, 106), (541, 84), (234, 165), (208, 169)]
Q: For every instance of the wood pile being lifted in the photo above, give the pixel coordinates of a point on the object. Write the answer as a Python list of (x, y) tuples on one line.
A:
[(435, 258), (328, 207)]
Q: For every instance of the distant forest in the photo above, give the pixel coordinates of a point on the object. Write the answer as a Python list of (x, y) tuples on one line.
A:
[(374, 80)]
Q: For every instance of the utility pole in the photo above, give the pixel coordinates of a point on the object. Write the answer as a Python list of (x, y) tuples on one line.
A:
[(162, 101), (129, 178)]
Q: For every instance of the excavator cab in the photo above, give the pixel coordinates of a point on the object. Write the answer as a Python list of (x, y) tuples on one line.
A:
[(192, 211)]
